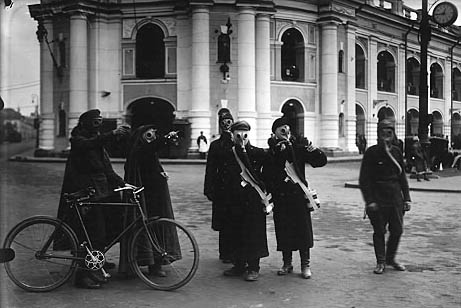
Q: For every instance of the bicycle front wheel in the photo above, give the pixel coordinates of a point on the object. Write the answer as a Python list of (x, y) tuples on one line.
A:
[(44, 253), (165, 247)]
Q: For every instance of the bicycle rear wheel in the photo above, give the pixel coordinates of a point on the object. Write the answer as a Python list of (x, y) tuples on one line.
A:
[(174, 248), (44, 248)]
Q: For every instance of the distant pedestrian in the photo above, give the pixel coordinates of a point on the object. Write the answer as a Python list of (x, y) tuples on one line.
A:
[(418, 160), (285, 178), (202, 144), (215, 186), (385, 190)]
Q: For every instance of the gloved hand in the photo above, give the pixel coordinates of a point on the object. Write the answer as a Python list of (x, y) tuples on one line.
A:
[(372, 207), (122, 130), (406, 206)]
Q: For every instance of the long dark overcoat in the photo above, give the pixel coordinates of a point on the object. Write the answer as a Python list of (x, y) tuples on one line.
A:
[(88, 165), (143, 168), (292, 218), (215, 177), (243, 213)]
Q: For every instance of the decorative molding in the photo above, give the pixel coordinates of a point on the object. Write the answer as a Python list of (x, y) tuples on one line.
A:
[(342, 10), (166, 23)]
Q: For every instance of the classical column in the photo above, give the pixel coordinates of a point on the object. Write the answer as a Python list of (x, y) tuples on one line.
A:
[(95, 36), (263, 80), (78, 68), (199, 114), (372, 116), (349, 112), (329, 84), (104, 67), (47, 116), (400, 86), (246, 68), (184, 60)]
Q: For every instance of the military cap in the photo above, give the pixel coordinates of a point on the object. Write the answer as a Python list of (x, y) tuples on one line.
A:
[(386, 123), (225, 115), (279, 122), (240, 125), (89, 115)]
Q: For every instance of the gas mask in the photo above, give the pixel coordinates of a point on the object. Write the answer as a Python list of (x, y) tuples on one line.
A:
[(386, 136), (226, 124), (92, 124), (283, 132), (240, 138), (149, 135)]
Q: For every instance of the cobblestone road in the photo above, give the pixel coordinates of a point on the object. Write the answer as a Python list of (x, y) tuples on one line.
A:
[(342, 259)]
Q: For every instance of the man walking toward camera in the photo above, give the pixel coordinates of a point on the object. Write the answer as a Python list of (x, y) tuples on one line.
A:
[(385, 190)]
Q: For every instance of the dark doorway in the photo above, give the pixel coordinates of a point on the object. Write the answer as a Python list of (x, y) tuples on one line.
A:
[(293, 110), (151, 110)]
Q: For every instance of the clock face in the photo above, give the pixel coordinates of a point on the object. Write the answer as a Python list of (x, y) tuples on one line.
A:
[(445, 14)]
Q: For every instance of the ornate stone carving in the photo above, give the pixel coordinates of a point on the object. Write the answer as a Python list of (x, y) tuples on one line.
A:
[(342, 10)]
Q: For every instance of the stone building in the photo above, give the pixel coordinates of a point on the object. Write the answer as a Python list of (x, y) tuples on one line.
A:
[(334, 67)]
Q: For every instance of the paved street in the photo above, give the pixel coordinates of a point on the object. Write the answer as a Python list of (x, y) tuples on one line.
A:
[(342, 259)]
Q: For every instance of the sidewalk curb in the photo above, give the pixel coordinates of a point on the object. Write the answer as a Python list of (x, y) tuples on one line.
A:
[(439, 190), (165, 161)]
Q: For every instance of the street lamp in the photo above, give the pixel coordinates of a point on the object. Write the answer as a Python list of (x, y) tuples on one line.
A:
[(444, 14)]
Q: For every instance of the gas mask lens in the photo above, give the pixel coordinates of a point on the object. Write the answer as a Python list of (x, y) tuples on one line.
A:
[(97, 122), (149, 135)]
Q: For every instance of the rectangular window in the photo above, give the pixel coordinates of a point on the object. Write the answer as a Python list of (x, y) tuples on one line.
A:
[(311, 35), (128, 62), (171, 60), (312, 67)]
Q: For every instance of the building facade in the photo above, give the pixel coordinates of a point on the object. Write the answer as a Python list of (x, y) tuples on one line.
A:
[(334, 67)]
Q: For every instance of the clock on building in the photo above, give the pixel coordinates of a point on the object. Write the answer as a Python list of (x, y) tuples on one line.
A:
[(445, 14)]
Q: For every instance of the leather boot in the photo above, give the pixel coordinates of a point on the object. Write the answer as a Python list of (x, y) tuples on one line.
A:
[(82, 280), (287, 264), (156, 270), (305, 264)]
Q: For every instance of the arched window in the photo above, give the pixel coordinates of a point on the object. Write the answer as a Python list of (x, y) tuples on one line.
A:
[(150, 52), (437, 124), (413, 68), (436, 81), (412, 122), (341, 61), (456, 84), (292, 55), (360, 67), (386, 72)]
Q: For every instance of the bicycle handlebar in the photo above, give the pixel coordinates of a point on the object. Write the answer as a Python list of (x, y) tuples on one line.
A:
[(135, 189)]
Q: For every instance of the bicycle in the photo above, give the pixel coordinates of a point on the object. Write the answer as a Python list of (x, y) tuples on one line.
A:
[(46, 249)]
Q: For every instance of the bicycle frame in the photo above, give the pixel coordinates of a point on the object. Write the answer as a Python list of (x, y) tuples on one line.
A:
[(140, 216)]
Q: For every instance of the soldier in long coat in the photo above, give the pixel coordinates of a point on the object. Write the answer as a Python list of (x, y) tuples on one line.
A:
[(384, 187), (214, 187), (292, 217), (244, 218), (143, 168), (88, 165)]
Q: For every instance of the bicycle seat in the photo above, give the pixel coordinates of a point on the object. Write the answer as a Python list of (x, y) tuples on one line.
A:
[(80, 195)]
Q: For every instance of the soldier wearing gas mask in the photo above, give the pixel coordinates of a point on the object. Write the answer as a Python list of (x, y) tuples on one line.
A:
[(214, 186), (244, 217), (386, 194), (143, 168), (88, 165), (292, 217)]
